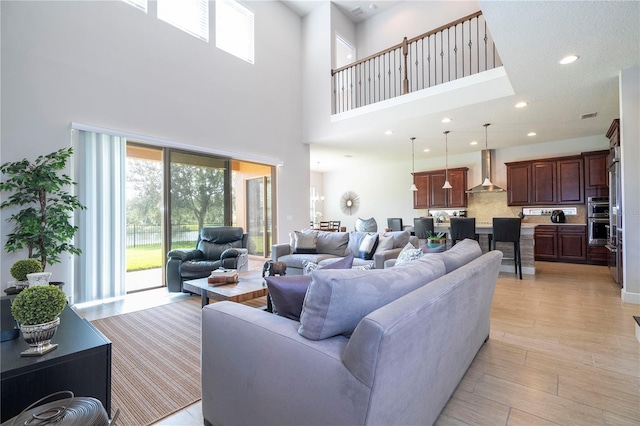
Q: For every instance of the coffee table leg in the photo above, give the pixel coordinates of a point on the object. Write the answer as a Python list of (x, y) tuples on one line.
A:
[(205, 298)]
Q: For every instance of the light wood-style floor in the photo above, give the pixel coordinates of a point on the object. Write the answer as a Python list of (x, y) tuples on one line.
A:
[(562, 350)]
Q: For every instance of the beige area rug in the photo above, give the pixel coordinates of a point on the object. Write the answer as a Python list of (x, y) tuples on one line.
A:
[(155, 365)]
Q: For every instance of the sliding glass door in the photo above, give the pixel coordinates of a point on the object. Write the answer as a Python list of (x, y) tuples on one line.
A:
[(199, 194)]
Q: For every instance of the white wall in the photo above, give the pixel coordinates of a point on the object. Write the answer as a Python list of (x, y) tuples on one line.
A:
[(630, 159), (383, 188), (408, 19), (109, 65)]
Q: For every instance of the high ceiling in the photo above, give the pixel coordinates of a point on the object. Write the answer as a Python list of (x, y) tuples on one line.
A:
[(531, 37)]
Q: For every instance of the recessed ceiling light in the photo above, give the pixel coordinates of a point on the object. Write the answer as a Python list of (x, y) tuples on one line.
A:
[(427, 150), (521, 104), (446, 120), (474, 143), (531, 134), (388, 132), (569, 59)]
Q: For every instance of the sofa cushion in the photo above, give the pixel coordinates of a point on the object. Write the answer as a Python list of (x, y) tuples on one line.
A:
[(400, 238), (332, 243), (339, 263), (408, 253), (460, 254), (337, 300), (287, 294), (305, 243), (368, 246), (384, 243)]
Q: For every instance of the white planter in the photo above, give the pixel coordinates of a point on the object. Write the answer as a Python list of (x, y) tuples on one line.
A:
[(39, 278)]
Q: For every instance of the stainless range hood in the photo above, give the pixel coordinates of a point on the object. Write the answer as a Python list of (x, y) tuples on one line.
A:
[(488, 157)]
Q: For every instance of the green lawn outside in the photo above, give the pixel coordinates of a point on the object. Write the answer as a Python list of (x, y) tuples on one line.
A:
[(150, 256)]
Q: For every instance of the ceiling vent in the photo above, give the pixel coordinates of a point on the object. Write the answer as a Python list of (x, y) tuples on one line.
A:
[(589, 115), (357, 11)]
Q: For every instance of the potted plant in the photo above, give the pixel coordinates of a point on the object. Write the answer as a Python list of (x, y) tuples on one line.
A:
[(24, 267), (435, 239), (38, 189), (37, 310)]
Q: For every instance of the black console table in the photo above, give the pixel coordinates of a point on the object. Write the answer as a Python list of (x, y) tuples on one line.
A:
[(81, 364)]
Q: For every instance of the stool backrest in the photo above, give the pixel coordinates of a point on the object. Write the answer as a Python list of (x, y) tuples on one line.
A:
[(422, 226), (462, 228), (506, 229), (394, 223)]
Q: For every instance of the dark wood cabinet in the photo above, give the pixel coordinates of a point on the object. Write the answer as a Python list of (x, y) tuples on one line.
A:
[(597, 255), (561, 243), (519, 184), (613, 134), (543, 179), (546, 242), (570, 180), (430, 193), (596, 174), (572, 243), (547, 182), (421, 196)]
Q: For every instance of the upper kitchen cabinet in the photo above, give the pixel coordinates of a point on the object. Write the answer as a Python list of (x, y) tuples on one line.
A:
[(596, 174), (613, 134), (430, 193), (548, 181)]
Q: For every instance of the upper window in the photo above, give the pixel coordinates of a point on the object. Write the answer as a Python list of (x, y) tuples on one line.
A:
[(234, 29), (191, 16), (140, 4)]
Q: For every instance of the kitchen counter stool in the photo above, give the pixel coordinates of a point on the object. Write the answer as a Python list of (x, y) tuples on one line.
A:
[(507, 230), (462, 228)]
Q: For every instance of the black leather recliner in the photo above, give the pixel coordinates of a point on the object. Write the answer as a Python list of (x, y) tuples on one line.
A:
[(217, 247)]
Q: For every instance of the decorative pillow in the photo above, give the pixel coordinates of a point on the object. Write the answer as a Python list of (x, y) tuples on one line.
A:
[(287, 294), (408, 253), (345, 263), (368, 247), (384, 243), (305, 243), (366, 267), (336, 301)]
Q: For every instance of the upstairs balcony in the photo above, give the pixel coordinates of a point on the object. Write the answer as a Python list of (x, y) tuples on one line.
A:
[(451, 52)]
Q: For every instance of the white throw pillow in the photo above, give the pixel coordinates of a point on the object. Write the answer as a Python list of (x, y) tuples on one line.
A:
[(408, 253), (368, 246)]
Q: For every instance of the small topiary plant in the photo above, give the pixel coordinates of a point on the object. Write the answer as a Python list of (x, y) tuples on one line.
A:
[(21, 268), (38, 305)]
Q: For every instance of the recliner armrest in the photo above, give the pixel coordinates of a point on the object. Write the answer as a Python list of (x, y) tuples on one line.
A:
[(185, 255), (232, 252)]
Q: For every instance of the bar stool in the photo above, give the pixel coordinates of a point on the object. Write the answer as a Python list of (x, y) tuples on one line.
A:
[(394, 223), (507, 230), (462, 228), (422, 226)]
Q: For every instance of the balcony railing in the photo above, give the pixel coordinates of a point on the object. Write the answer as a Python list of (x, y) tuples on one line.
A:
[(456, 50)]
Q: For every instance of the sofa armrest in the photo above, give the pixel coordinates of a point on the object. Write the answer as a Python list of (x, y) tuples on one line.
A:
[(380, 258), (185, 255), (257, 369), (279, 250)]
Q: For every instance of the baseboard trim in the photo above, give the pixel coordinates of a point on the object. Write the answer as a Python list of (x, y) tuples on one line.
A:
[(630, 297)]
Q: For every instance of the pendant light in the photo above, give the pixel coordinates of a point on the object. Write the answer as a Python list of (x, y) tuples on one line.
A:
[(446, 185), (487, 181), (413, 166)]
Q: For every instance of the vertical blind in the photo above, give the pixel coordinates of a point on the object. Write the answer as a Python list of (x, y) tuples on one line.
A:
[(100, 162)]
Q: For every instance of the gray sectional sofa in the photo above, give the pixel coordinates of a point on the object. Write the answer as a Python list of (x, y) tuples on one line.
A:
[(372, 347), (332, 246)]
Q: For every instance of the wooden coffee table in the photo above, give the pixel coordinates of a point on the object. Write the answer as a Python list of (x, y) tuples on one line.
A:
[(251, 285)]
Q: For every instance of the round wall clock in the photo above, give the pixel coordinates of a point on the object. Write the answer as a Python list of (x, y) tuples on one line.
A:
[(349, 203)]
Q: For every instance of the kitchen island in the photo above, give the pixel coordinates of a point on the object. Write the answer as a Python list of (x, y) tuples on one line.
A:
[(526, 245)]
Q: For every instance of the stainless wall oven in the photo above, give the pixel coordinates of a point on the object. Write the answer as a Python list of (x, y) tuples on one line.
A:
[(598, 220)]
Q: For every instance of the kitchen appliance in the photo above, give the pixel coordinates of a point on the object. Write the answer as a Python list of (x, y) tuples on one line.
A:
[(598, 221), (557, 216), (462, 213), (598, 207), (614, 245), (487, 158)]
